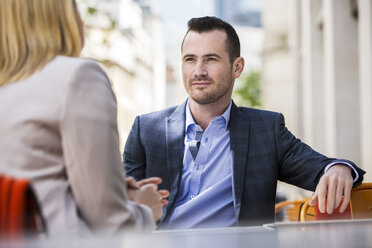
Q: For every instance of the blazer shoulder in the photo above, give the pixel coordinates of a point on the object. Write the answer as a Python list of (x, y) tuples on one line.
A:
[(253, 113), (161, 114)]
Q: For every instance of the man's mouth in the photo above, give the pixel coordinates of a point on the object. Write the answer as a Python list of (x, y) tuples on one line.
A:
[(200, 83)]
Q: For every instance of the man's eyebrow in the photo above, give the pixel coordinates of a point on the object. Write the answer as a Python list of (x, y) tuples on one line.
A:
[(212, 55), (205, 56), (188, 55)]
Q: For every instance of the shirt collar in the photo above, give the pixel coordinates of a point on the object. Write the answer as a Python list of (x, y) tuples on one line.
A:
[(190, 120)]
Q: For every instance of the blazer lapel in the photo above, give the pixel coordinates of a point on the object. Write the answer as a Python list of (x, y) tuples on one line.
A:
[(239, 140), (175, 134)]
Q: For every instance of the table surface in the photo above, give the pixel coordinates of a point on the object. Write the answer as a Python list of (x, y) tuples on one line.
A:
[(346, 233)]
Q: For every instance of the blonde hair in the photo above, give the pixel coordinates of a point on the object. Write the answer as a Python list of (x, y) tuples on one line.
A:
[(33, 32)]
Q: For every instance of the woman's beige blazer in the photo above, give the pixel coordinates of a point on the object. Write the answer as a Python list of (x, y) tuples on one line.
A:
[(59, 128)]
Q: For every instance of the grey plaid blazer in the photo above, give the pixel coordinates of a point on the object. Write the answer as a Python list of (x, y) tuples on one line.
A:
[(264, 151)]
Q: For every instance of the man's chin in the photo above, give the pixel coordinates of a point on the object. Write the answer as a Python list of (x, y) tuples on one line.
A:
[(203, 100)]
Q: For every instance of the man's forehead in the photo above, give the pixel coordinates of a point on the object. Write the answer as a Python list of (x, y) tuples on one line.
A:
[(205, 42), (206, 34)]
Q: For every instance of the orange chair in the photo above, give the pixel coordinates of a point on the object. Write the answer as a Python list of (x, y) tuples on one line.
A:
[(360, 207), (311, 213), (361, 201), (290, 209), (20, 215)]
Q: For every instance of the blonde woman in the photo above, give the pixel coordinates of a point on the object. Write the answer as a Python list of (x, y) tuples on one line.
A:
[(58, 123)]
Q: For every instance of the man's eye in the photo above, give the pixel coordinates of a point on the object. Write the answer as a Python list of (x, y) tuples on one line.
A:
[(212, 59), (189, 59)]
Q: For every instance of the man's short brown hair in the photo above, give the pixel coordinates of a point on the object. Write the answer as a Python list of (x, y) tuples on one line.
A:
[(210, 23)]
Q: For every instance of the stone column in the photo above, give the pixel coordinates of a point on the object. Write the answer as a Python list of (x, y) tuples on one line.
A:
[(313, 76), (365, 60), (278, 93), (295, 53), (341, 95)]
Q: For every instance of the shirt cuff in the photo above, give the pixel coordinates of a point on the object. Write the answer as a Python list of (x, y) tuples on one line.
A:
[(344, 163)]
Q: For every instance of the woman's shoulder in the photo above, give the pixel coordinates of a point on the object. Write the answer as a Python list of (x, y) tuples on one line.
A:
[(72, 69), (72, 64)]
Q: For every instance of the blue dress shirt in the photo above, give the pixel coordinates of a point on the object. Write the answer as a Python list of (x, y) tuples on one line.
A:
[(205, 197)]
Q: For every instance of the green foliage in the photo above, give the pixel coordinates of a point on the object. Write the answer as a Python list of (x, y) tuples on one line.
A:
[(113, 24), (248, 92), (92, 11)]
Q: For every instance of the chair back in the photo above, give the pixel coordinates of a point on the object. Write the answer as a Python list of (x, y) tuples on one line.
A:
[(360, 207), (361, 201), (20, 215)]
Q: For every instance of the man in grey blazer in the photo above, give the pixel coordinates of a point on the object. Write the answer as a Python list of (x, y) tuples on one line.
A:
[(221, 162)]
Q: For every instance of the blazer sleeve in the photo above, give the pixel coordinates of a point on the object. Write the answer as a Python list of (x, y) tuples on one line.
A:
[(134, 158), (299, 164), (91, 152)]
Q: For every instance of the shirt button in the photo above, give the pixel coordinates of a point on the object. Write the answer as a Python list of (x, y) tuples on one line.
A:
[(197, 167), (192, 197)]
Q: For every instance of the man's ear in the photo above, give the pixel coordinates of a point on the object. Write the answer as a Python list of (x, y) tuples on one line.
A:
[(238, 67)]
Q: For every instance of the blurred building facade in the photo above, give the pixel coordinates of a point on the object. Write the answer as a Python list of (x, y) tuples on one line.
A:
[(245, 16), (239, 12), (126, 38), (317, 70)]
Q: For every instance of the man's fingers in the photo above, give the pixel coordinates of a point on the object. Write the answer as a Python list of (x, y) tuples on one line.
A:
[(131, 183), (339, 193), (150, 185), (347, 192), (313, 200), (322, 202), (331, 192), (321, 191), (150, 180), (164, 193), (164, 202)]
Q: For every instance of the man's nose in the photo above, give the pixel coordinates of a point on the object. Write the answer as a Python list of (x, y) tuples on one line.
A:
[(200, 69)]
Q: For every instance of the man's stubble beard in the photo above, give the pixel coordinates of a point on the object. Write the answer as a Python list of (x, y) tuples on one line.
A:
[(215, 95)]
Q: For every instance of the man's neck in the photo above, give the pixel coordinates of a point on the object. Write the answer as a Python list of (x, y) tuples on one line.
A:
[(203, 114)]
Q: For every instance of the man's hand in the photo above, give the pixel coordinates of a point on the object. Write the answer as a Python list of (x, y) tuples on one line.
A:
[(155, 180), (334, 184), (148, 196), (145, 192), (131, 183)]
